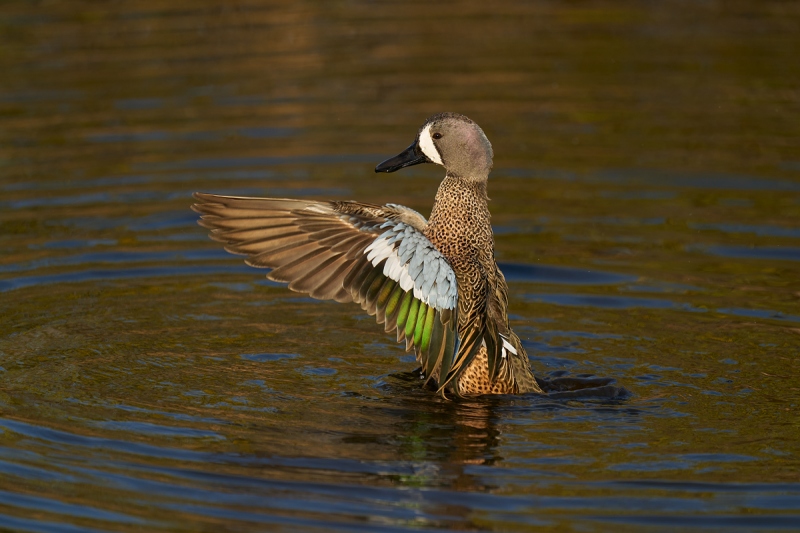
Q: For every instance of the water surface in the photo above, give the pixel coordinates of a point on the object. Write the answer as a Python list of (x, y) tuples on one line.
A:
[(645, 199)]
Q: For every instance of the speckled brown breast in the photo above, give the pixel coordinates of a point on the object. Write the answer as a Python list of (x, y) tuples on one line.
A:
[(460, 228), (475, 379)]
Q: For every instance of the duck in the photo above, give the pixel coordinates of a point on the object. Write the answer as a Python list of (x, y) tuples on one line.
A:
[(433, 282)]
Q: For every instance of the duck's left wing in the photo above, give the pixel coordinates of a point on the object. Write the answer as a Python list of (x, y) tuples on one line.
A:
[(376, 256)]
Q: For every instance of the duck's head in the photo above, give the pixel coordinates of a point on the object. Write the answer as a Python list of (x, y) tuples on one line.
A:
[(450, 140)]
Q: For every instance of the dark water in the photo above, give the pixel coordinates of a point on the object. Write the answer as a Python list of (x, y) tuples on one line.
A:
[(646, 201)]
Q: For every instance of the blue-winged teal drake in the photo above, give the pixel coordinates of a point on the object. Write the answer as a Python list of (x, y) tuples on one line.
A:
[(433, 281)]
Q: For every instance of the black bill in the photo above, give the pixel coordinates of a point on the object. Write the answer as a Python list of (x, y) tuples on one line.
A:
[(410, 156)]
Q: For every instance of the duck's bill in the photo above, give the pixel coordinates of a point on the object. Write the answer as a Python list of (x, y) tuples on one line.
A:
[(410, 156)]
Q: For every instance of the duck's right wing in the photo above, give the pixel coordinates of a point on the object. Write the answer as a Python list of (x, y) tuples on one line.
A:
[(376, 256)]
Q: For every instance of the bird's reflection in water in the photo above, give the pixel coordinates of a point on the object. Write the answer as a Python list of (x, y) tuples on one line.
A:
[(465, 431), (451, 448)]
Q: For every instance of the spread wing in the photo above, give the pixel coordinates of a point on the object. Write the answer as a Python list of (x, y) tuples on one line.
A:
[(376, 256)]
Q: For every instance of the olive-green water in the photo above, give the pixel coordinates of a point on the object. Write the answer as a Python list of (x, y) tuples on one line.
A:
[(646, 206)]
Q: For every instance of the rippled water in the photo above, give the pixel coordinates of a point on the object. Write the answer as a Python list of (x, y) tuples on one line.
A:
[(645, 199)]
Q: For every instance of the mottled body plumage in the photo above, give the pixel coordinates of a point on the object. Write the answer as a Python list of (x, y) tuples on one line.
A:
[(435, 282)]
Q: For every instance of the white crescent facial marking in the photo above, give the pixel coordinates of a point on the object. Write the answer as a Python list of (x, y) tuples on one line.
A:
[(427, 146)]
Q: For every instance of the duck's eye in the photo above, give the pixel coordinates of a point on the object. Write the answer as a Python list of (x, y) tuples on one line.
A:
[(437, 135)]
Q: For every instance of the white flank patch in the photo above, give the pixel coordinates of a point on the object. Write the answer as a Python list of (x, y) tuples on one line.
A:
[(507, 347), (427, 146)]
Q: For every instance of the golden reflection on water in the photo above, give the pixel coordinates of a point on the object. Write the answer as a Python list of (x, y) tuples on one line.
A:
[(655, 143)]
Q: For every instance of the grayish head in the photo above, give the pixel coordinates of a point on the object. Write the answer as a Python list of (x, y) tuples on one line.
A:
[(450, 140)]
